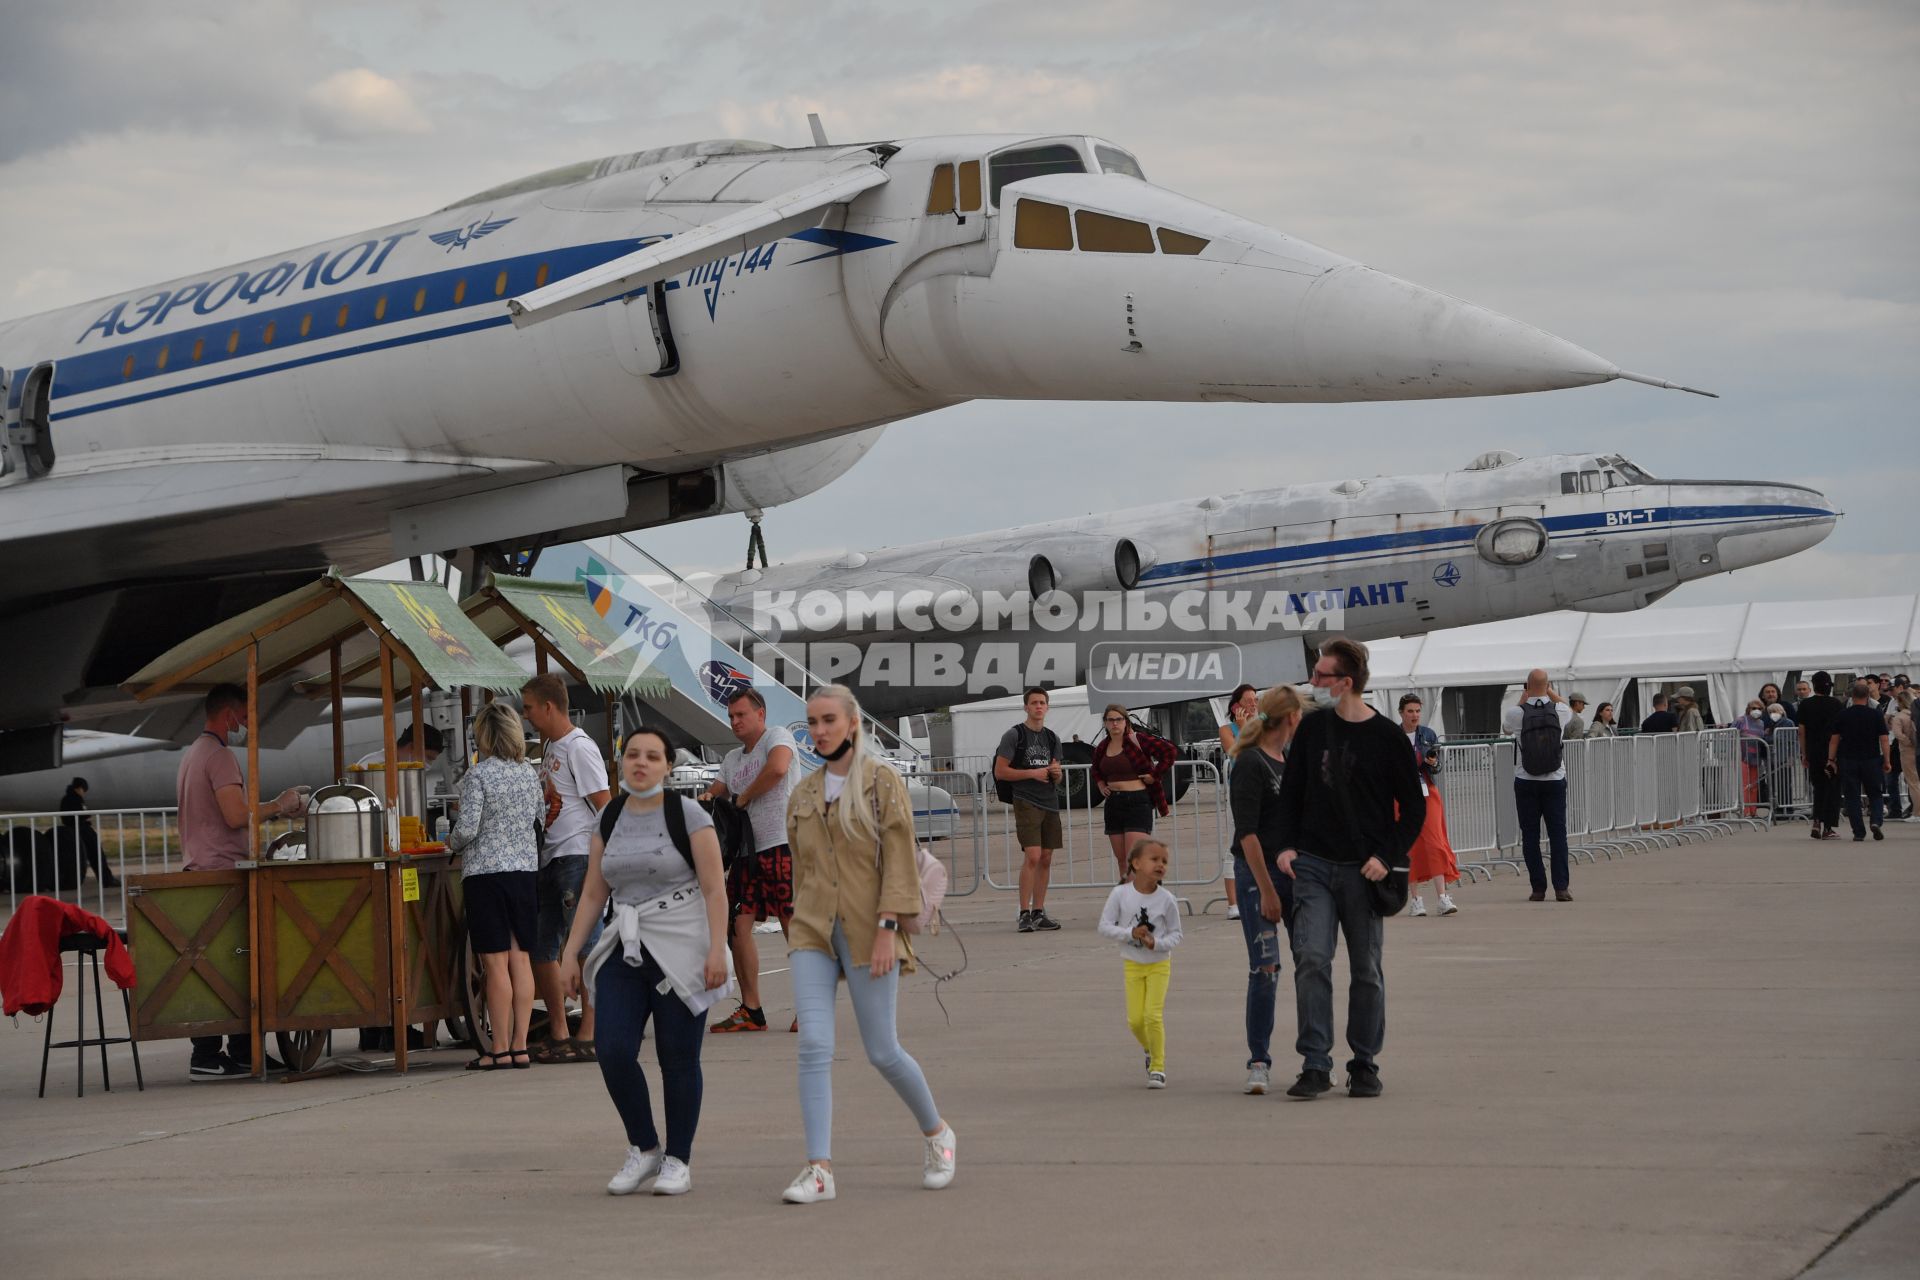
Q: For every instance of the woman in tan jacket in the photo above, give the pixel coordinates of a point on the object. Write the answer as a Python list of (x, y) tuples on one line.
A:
[(850, 826)]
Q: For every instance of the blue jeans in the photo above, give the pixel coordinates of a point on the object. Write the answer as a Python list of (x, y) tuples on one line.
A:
[(557, 890), (1535, 801), (1331, 899), (1857, 776), (816, 978), (624, 998), (1263, 950)]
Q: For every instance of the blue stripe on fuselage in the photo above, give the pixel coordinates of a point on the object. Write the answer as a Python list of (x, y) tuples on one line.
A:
[(1385, 545), (487, 283)]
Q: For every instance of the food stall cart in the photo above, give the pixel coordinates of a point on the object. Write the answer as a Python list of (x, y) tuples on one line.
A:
[(370, 934)]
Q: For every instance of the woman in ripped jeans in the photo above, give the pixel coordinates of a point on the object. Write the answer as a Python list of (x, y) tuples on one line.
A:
[(1259, 755)]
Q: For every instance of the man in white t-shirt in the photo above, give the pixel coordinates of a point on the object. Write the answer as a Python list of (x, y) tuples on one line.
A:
[(574, 774), (1538, 725), (757, 776)]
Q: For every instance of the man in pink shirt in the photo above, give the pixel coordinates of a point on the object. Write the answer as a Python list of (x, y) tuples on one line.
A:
[(214, 823)]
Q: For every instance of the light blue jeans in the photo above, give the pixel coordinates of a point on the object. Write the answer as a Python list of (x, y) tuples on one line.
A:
[(815, 979)]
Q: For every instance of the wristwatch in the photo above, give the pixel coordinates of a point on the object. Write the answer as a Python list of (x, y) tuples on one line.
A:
[(891, 926)]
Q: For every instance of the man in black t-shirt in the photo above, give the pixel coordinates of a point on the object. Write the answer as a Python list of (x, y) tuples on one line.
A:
[(1661, 720), (1350, 810), (1816, 714), (1857, 753)]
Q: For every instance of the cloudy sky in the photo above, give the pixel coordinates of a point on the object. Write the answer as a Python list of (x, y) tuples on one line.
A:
[(1719, 193)]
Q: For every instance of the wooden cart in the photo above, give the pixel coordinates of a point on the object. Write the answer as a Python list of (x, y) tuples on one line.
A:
[(296, 950)]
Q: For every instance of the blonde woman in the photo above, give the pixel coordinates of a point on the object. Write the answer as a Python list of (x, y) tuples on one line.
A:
[(500, 809), (1259, 761), (850, 827)]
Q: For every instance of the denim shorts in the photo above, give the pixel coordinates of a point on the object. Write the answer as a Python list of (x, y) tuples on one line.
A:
[(559, 885)]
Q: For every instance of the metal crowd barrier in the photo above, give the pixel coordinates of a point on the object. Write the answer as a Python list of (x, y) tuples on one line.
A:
[(77, 856), (85, 858), (1624, 794)]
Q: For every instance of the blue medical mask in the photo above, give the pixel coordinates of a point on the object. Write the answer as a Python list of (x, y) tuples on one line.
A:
[(648, 794), (1324, 698)]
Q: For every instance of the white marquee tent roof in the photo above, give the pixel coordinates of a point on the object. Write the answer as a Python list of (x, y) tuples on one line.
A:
[(1882, 632)]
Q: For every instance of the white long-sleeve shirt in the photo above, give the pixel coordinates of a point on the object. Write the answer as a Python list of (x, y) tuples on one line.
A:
[(1122, 913)]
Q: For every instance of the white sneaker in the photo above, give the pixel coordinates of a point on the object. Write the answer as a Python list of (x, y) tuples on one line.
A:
[(938, 1171), (1259, 1076), (1233, 911), (1156, 1079), (675, 1178), (812, 1186), (1446, 904), (1417, 906), (640, 1166)]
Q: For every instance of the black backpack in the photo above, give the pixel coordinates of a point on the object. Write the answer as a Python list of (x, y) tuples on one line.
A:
[(1542, 747), (1003, 788)]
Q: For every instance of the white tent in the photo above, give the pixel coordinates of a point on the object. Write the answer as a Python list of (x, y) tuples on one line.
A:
[(1732, 649)]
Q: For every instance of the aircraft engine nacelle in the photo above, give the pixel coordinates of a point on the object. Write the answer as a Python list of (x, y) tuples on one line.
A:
[(1086, 564)]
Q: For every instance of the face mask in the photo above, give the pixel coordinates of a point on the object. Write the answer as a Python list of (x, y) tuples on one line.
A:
[(1775, 716), (638, 794), (1323, 698), (846, 745)]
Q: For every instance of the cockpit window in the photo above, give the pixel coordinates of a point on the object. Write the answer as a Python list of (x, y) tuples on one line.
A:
[(1102, 233), (1631, 473), (940, 194), (1180, 242), (1114, 160), (1039, 225), (1033, 162), (970, 186), (1581, 482)]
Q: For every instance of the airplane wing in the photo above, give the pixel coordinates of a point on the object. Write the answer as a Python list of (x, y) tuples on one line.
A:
[(212, 512), (784, 214)]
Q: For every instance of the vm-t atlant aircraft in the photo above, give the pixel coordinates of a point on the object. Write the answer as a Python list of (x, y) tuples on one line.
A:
[(1248, 576), (644, 338)]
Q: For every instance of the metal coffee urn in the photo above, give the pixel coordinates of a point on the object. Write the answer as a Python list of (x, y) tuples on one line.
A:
[(345, 823)]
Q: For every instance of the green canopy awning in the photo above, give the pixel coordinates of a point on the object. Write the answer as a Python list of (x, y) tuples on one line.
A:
[(562, 617), (441, 642), (428, 632)]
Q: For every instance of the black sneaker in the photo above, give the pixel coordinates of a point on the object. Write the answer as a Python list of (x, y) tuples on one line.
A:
[(1311, 1084), (1026, 922), (220, 1068), (1363, 1082), (1878, 834), (1044, 922)]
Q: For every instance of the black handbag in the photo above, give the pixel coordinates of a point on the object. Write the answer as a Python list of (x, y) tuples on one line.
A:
[(734, 830)]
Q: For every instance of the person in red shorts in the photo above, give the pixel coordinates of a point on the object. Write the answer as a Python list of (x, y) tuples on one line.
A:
[(757, 777)]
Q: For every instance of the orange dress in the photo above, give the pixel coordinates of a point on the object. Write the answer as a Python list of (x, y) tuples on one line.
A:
[(1432, 853)]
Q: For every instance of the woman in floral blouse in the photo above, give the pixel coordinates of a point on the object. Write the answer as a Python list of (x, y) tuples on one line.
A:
[(500, 810)]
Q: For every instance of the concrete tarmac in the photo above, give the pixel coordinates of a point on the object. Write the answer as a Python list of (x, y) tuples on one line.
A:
[(1702, 1067)]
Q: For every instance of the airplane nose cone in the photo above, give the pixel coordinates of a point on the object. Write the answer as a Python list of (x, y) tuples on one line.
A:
[(1372, 336), (1805, 518)]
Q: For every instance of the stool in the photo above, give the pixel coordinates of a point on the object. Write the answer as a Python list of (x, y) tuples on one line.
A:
[(87, 945)]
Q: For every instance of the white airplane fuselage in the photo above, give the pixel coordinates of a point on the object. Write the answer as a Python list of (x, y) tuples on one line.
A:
[(1387, 556)]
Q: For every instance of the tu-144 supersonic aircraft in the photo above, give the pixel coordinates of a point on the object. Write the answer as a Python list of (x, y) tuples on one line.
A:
[(656, 336)]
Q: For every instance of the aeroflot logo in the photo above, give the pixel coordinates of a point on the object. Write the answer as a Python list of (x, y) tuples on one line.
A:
[(461, 237), (208, 296)]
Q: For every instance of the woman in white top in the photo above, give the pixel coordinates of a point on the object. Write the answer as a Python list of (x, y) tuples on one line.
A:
[(672, 897)]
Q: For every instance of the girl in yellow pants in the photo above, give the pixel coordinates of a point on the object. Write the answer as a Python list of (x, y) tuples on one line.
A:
[(1144, 919)]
